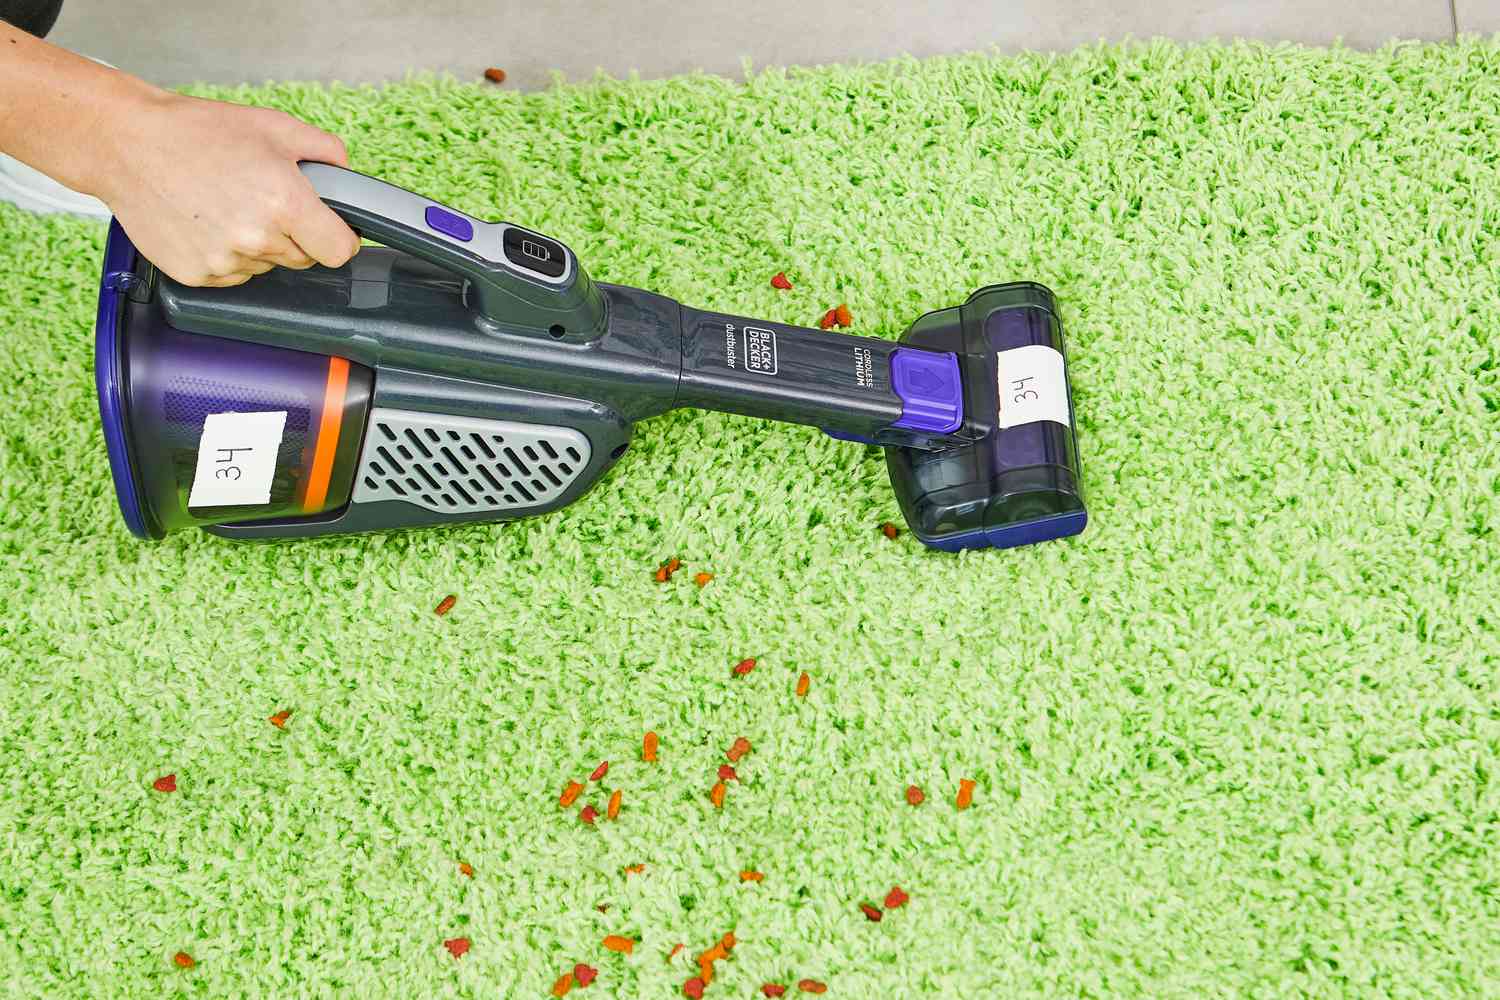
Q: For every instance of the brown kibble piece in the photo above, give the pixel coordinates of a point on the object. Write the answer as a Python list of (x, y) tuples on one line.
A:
[(872, 913), (623, 945), (739, 749), (842, 315), (751, 876), (648, 748), (570, 794), (445, 605), (279, 719), (812, 986), (965, 793), (703, 579), (889, 530), (803, 683), (915, 795), (613, 809), (183, 960), (495, 74), (716, 795), (563, 985), (465, 868)]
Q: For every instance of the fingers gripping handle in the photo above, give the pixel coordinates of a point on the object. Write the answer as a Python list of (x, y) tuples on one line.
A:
[(520, 277)]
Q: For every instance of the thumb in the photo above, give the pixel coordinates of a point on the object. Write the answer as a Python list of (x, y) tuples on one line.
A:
[(307, 142)]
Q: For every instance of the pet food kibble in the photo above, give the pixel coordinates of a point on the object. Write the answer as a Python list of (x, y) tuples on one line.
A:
[(661, 574), (778, 280), (727, 773), (465, 868), (914, 795), (716, 794), (613, 809), (889, 530), (588, 814), (445, 605), (675, 949), (751, 876), (773, 990), (634, 869), (648, 748), (585, 974), (279, 719), (703, 579), (457, 947), (739, 749), (600, 771), (829, 318), (812, 986), (166, 783), (693, 988), (673, 565), (623, 945), (495, 74), (842, 315), (570, 794), (183, 960), (803, 683), (965, 793), (727, 942), (871, 913), (895, 898), (563, 985), (744, 666)]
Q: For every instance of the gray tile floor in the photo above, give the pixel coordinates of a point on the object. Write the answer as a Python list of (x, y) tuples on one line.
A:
[(181, 41)]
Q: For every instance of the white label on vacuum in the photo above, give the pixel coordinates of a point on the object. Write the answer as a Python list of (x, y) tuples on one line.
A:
[(237, 459), (1032, 386), (760, 350)]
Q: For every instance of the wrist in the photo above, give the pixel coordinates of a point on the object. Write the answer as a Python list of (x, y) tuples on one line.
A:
[(117, 124)]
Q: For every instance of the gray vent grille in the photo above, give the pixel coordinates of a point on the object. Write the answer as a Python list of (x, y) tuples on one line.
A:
[(459, 465)]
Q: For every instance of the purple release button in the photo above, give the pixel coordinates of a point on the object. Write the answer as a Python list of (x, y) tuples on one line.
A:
[(932, 394), (449, 223)]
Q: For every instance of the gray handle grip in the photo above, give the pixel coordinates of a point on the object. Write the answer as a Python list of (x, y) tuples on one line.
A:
[(519, 277)]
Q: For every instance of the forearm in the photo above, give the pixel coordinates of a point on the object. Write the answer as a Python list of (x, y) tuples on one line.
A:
[(57, 109)]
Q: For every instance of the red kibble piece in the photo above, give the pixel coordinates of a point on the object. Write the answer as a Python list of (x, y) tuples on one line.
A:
[(600, 771), (613, 809), (914, 795), (495, 74), (895, 898), (466, 868), (871, 912), (570, 794), (716, 794), (694, 988), (829, 318), (778, 280), (842, 315), (279, 719), (648, 748), (445, 605), (457, 947), (773, 990), (803, 683), (563, 985), (739, 749), (751, 876), (588, 814), (183, 960), (166, 783), (585, 974), (726, 773), (744, 666), (889, 530), (703, 579), (812, 986), (965, 793)]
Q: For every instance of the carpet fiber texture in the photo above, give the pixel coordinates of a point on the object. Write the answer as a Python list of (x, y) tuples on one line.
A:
[(1238, 739)]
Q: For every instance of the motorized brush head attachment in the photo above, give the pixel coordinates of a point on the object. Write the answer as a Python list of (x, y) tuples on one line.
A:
[(473, 371)]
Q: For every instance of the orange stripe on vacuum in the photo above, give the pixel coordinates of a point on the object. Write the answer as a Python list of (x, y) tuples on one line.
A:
[(328, 435)]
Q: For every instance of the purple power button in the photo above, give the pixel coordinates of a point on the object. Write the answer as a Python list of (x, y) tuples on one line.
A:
[(931, 391), (449, 223)]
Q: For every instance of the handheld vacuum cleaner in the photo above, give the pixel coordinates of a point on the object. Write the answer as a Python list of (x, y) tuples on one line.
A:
[(472, 371)]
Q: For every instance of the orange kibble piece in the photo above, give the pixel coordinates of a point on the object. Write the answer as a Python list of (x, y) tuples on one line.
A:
[(675, 949), (465, 868), (279, 719), (673, 565), (744, 666), (445, 605), (570, 794), (915, 795), (497, 75), (727, 942), (803, 683), (739, 749), (703, 579), (889, 530), (600, 771), (613, 809), (716, 795), (563, 985), (812, 986), (623, 945), (751, 876), (648, 748), (634, 869), (965, 793), (842, 315), (727, 773), (183, 960), (661, 574)]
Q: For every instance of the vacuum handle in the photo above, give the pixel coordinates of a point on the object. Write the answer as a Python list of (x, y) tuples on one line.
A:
[(520, 278)]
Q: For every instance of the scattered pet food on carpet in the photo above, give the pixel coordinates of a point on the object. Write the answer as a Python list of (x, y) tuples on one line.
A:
[(895, 898), (872, 913), (752, 876), (183, 960), (613, 809), (812, 986), (744, 666), (600, 771), (778, 280), (693, 988), (665, 570), (588, 814), (570, 794), (739, 749), (616, 942), (457, 947), (716, 794), (445, 605), (803, 683), (465, 868), (727, 773), (915, 796), (829, 318), (166, 783), (773, 990), (634, 869), (563, 985), (279, 719), (703, 579), (889, 530), (842, 315), (648, 748), (965, 793), (495, 74), (585, 974)]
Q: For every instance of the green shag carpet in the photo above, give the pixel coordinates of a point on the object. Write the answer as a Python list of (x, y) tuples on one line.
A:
[(1240, 738)]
